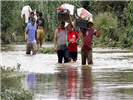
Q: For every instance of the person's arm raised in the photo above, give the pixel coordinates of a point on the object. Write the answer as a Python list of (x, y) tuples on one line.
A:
[(98, 33), (80, 32), (69, 19)]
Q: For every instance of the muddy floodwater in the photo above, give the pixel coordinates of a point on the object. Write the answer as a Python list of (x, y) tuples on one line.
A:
[(110, 78)]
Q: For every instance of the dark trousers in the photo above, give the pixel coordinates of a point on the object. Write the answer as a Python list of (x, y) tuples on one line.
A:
[(62, 54), (86, 54)]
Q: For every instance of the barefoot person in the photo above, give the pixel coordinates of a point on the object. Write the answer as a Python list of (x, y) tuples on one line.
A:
[(40, 31)]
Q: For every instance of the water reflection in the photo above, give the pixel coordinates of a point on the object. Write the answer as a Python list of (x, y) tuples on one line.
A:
[(66, 82), (31, 80), (86, 83), (60, 83), (111, 75), (75, 83), (72, 88)]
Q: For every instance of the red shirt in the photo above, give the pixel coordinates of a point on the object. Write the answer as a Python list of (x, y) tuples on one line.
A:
[(87, 38), (72, 46)]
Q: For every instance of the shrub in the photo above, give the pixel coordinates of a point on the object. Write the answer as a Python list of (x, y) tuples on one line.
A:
[(107, 23), (127, 38)]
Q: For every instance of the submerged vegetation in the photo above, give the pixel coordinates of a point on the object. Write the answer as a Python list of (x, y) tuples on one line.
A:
[(15, 92), (49, 50)]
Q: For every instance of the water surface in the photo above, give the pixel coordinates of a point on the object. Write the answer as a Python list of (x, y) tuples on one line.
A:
[(110, 78)]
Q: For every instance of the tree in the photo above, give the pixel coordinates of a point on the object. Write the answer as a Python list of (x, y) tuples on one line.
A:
[(127, 37)]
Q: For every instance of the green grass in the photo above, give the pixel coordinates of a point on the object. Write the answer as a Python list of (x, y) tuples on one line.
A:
[(49, 50)]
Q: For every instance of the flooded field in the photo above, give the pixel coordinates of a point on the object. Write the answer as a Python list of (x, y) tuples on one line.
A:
[(110, 78)]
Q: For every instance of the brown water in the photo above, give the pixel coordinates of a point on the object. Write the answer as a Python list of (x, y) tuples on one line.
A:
[(110, 78)]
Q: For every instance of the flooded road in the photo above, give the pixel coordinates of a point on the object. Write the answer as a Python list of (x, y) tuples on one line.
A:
[(110, 78)]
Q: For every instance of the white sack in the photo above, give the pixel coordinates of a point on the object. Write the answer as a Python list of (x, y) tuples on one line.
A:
[(69, 7), (25, 11)]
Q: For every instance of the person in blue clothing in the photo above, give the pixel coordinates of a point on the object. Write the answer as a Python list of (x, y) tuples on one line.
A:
[(30, 37), (31, 80)]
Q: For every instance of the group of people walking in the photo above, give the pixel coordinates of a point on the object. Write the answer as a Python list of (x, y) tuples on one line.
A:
[(34, 33), (65, 39)]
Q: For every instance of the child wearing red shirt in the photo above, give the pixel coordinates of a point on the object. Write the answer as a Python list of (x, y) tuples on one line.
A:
[(72, 38)]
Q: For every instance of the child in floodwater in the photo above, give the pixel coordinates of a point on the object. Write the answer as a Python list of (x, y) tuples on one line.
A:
[(72, 38)]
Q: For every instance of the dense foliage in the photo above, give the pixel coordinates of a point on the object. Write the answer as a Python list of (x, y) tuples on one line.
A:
[(107, 24), (114, 20), (127, 37)]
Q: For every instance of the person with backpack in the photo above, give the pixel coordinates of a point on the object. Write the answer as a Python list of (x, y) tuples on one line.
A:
[(60, 43), (72, 38)]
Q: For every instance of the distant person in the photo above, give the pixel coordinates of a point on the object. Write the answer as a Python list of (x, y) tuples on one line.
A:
[(86, 49), (36, 16), (31, 16), (60, 43), (41, 25), (30, 37), (72, 38), (37, 13)]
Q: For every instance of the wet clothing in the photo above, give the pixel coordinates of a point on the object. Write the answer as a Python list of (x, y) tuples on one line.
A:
[(40, 33), (31, 46), (72, 55), (41, 22), (62, 48), (87, 38), (86, 54), (62, 54), (31, 42), (72, 47), (86, 49)]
